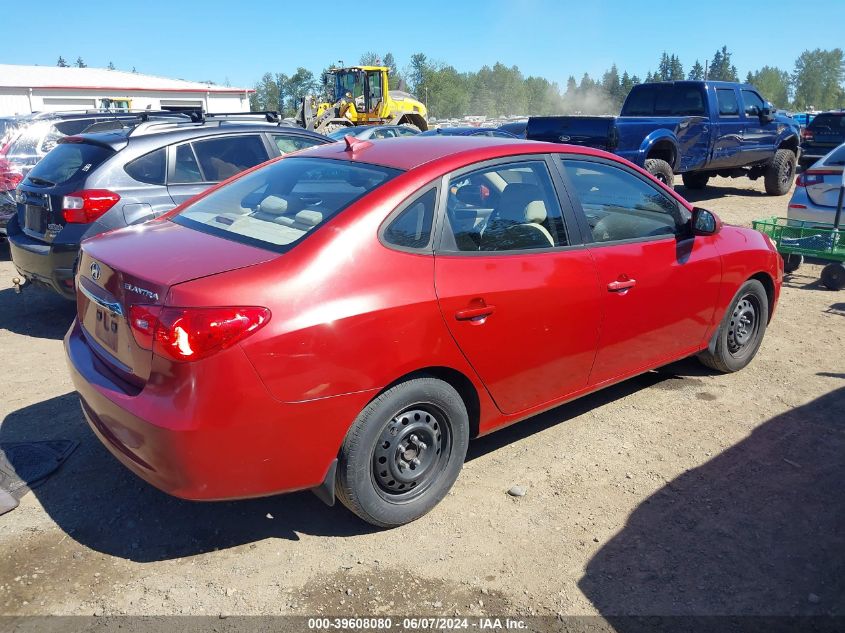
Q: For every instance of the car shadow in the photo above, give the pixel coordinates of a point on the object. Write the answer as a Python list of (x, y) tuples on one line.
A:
[(757, 530), (100, 504), (836, 308), (711, 192), (35, 312)]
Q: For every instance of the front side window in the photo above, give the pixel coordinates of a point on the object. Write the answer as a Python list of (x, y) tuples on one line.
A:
[(412, 227), (276, 206), (222, 158), (752, 102), (506, 207), (619, 205), (728, 105), (288, 143)]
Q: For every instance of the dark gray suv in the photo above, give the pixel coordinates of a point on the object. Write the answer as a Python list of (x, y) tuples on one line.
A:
[(92, 183)]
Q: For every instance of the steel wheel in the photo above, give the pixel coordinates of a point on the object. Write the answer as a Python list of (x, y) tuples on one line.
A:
[(411, 452), (744, 325)]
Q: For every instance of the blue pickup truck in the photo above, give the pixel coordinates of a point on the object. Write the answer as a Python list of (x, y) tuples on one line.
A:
[(697, 129)]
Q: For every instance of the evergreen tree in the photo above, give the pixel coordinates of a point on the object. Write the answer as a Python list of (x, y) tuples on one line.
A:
[(676, 70), (664, 68), (696, 73), (721, 68), (111, 66), (80, 64), (61, 63)]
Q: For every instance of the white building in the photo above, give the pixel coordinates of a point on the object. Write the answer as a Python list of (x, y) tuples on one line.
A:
[(25, 89)]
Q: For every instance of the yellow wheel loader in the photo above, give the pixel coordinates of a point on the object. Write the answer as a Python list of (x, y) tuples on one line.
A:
[(361, 97)]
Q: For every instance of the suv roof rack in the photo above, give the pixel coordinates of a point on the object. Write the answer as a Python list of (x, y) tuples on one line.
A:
[(271, 116)]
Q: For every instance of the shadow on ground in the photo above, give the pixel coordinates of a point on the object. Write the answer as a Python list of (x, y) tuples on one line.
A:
[(756, 530), (711, 192), (103, 506)]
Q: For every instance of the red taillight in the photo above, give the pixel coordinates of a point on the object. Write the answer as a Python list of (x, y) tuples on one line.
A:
[(807, 134), (814, 177), (188, 334), (83, 207)]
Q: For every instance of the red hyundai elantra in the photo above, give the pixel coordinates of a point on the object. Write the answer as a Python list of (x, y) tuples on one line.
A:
[(347, 318)]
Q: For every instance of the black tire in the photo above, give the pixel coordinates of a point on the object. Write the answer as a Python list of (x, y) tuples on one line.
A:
[(661, 170), (779, 173), (695, 180), (741, 331), (833, 276), (792, 262), (403, 452)]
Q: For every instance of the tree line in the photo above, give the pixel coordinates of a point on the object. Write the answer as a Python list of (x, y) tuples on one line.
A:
[(816, 80)]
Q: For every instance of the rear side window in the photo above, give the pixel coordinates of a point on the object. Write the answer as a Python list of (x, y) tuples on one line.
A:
[(149, 168), (222, 158), (278, 205), (837, 157), (829, 123), (68, 162), (728, 105), (412, 227)]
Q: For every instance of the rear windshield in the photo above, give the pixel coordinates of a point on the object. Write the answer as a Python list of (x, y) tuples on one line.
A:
[(829, 124), (68, 162), (665, 100), (836, 157), (276, 206)]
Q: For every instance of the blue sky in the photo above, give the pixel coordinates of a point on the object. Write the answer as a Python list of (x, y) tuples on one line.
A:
[(239, 41)]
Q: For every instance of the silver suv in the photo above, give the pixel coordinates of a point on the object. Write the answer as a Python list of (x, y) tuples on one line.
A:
[(92, 183)]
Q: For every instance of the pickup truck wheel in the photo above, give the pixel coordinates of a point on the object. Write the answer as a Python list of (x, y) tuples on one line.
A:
[(779, 173), (695, 180), (661, 170), (403, 452), (741, 331)]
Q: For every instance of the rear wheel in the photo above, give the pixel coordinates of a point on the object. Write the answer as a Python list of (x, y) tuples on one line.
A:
[(779, 173), (792, 262), (695, 180), (741, 331), (833, 276), (403, 452), (661, 170)]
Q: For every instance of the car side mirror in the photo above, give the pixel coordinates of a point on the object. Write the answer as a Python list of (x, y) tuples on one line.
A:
[(767, 114), (705, 222)]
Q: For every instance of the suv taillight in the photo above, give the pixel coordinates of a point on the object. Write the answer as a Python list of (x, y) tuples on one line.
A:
[(83, 207), (189, 334)]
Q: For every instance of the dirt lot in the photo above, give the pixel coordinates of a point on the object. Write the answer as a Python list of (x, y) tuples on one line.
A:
[(678, 492)]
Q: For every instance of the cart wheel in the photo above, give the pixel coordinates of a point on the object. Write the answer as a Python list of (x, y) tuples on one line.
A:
[(792, 262), (833, 276)]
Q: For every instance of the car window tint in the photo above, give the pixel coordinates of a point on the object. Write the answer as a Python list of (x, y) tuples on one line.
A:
[(836, 157), (834, 123), (752, 102), (504, 208), (276, 206), (69, 162), (222, 158), (186, 169), (412, 227), (149, 168), (728, 105), (73, 126), (665, 100), (620, 205), (288, 143)]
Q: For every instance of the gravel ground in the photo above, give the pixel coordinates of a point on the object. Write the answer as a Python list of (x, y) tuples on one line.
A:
[(677, 492)]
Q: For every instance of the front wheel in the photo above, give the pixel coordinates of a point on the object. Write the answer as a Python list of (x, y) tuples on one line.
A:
[(661, 170), (403, 452), (741, 331), (779, 173)]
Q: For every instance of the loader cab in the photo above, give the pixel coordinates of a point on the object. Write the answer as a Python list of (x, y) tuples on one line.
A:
[(366, 84)]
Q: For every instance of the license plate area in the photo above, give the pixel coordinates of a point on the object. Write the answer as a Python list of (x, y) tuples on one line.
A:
[(106, 327), (35, 218)]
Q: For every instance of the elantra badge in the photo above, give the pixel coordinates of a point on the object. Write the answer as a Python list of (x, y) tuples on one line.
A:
[(149, 294)]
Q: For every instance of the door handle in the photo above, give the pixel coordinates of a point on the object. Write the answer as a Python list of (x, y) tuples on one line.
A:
[(475, 314), (622, 285)]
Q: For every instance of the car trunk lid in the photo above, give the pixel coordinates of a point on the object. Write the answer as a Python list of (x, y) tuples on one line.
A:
[(823, 185), (138, 266)]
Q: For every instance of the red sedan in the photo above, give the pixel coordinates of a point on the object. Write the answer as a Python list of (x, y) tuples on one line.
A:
[(345, 319)]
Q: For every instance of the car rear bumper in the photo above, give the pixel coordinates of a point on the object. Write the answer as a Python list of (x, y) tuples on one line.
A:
[(801, 207), (203, 442), (44, 264)]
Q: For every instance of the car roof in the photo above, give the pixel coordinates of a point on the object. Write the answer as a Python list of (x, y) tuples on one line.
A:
[(414, 151)]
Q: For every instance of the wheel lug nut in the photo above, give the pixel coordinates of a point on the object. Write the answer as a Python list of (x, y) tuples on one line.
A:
[(415, 461), (422, 446)]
